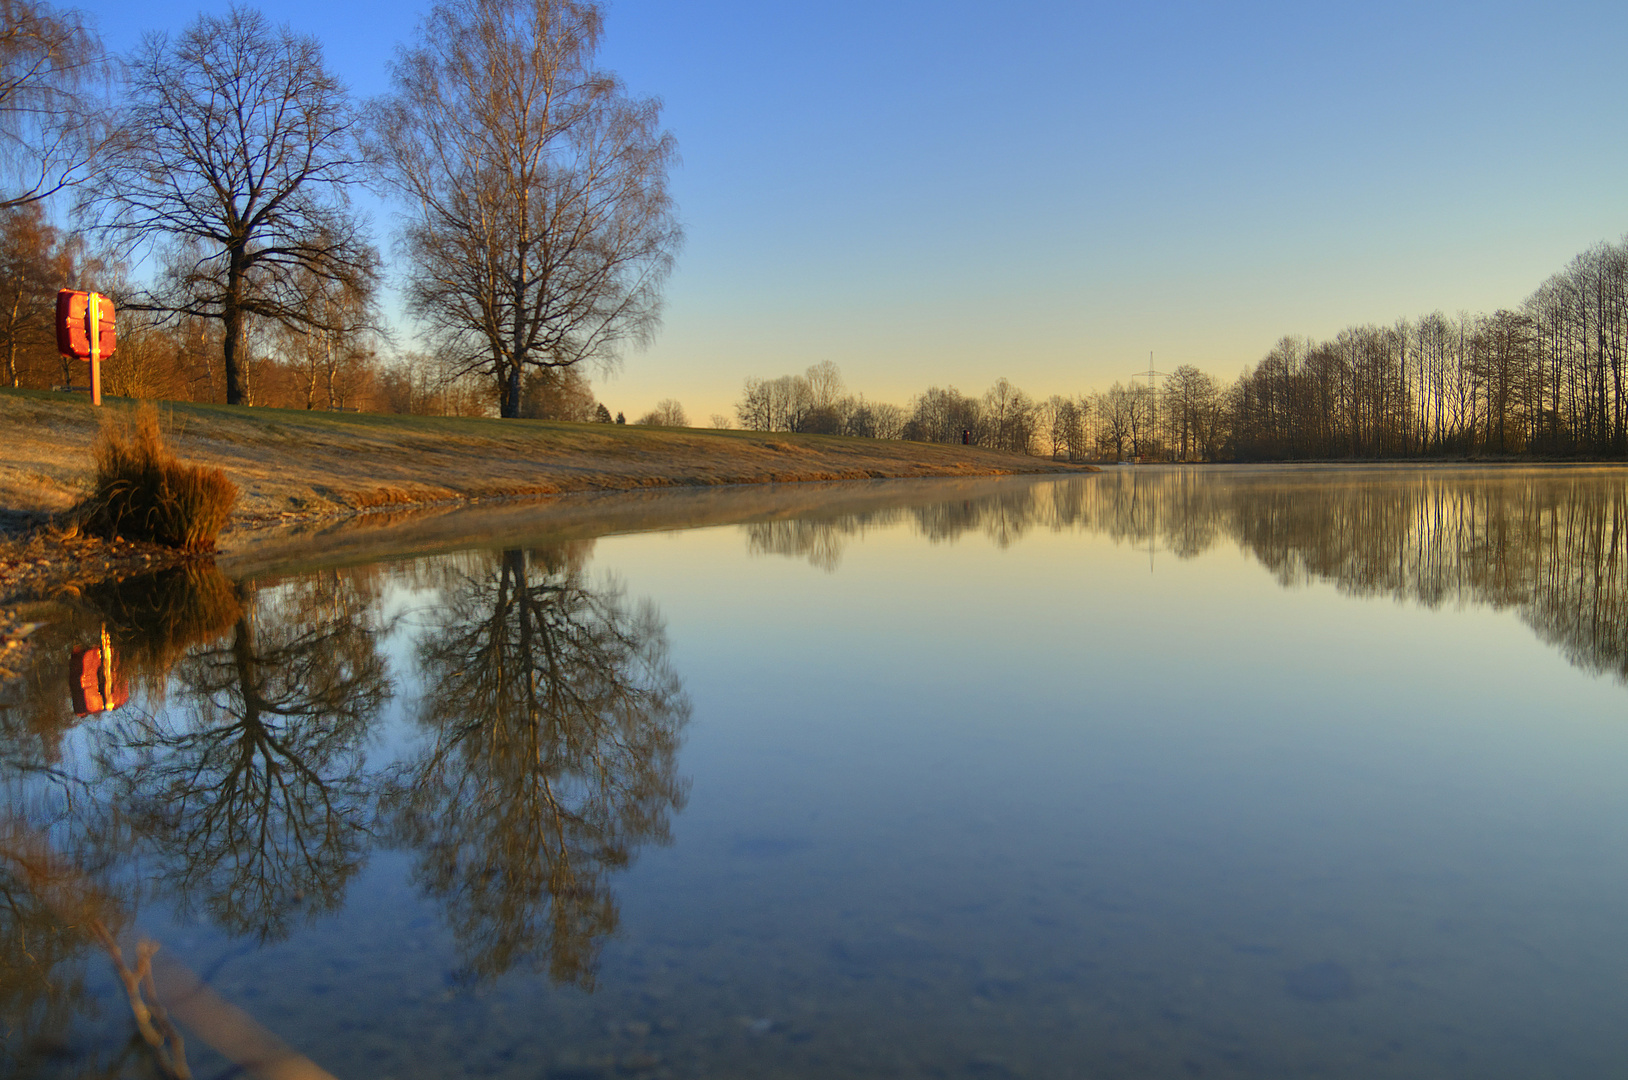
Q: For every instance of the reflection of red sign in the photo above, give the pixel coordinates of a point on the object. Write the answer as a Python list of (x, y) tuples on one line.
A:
[(95, 687)]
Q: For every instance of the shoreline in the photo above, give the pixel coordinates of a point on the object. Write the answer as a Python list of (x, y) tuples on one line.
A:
[(316, 473), (42, 559), (295, 464), (321, 471), (45, 564)]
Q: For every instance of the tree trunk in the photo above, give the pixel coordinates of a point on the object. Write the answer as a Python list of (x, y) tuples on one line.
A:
[(509, 403), (237, 375), (328, 362), (310, 387), (517, 349), (11, 337)]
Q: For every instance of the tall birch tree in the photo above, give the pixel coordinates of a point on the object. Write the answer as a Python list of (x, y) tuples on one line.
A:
[(541, 227)]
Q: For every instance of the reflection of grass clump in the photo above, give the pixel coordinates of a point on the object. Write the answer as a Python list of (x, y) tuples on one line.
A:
[(156, 618), (144, 492)]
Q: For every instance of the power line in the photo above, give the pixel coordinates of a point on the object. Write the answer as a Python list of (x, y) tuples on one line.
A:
[(1152, 377)]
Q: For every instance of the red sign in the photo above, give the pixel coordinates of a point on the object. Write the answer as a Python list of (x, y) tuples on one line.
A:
[(74, 328)]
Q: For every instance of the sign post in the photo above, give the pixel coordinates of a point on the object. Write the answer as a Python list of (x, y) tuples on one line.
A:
[(93, 319), (85, 331)]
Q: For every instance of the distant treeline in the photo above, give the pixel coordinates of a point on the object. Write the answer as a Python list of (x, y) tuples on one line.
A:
[(1184, 419), (814, 403), (1546, 379)]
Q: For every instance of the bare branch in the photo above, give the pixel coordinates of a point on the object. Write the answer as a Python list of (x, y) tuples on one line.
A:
[(54, 79)]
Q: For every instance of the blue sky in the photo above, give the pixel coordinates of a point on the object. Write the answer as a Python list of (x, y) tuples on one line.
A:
[(946, 193)]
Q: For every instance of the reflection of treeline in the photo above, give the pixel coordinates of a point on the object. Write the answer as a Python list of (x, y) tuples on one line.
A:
[(1003, 519), (1003, 516), (819, 541), (1552, 545), (239, 783)]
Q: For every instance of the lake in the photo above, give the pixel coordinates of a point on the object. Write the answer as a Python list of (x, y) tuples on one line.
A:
[(1162, 772)]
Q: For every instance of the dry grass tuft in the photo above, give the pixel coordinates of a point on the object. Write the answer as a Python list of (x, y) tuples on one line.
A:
[(143, 491)]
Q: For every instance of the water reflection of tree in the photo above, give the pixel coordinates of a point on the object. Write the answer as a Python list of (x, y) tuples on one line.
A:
[(35, 710), (555, 721), (1553, 545), (246, 788), (56, 912), (48, 904), (42, 975), (820, 541), (47, 951), (250, 788), (154, 619), (1004, 517)]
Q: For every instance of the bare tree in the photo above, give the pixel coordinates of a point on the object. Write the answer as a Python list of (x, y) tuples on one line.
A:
[(52, 110), (944, 416), (667, 413), (1077, 432), (35, 261), (1009, 418), (1139, 404), (1066, 427), (824, 384), (1191, 396), (329, 352), (236, 152), (558, 394), (786, 403), (753, 409), (1117, 408), (876, 420), (419, 385), (542, 227)]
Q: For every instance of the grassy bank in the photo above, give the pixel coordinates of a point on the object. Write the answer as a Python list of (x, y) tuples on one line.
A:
[(291, 464)]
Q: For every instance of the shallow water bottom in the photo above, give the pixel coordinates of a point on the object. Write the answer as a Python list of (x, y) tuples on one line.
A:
[(947, 979)]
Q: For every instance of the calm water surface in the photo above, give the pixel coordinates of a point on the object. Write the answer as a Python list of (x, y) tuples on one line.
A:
[(1156, 773)]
